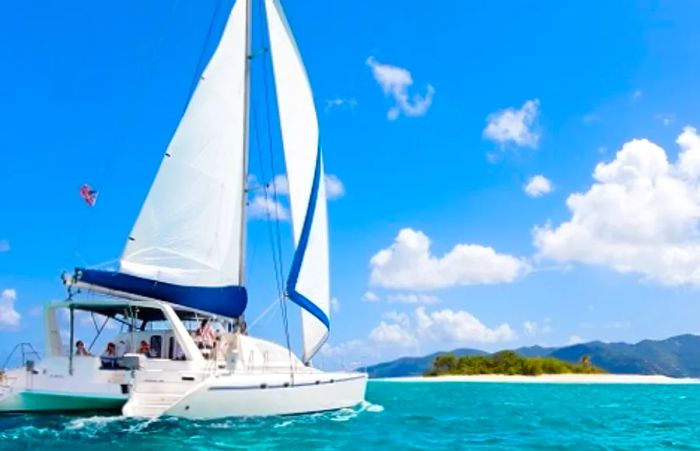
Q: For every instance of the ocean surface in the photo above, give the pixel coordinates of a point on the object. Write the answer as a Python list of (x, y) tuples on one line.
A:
[(407, 415)]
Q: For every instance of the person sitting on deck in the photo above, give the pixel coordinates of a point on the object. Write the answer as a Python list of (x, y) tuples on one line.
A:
[(109, 357), (205, 336), (144, 348), (80, 349)]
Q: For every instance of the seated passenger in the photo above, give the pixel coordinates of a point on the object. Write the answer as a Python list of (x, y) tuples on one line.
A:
[(109, 357), (111, 350), (144, 348), (80, 349)]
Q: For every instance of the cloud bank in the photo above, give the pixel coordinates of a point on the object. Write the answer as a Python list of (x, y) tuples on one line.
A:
[(640, 215)]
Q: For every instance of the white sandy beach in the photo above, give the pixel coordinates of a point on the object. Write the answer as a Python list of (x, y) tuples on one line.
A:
[(553, 379)]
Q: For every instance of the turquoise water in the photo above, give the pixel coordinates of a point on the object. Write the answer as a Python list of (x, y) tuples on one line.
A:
[(442, 415)]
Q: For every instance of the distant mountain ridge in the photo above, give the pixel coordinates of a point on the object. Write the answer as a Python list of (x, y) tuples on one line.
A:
[(677, 356)]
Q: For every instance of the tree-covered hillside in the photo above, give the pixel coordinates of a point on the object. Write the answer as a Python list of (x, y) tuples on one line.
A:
[(508, 363)]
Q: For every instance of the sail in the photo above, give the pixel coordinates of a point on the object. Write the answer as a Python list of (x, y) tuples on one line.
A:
[(190, 231), (308, 283)]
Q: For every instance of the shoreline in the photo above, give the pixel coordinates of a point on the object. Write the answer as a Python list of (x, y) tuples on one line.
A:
[(550, 379)]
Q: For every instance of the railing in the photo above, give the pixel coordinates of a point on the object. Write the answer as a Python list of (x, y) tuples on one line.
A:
[(26, 350)]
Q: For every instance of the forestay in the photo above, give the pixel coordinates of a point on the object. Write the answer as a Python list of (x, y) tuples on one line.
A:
[(308, 283)]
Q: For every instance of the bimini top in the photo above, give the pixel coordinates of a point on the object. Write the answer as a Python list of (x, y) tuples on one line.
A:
[(229, 301), (127, 309)]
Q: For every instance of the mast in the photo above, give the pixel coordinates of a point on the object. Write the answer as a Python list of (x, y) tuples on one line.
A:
[(246, 139)]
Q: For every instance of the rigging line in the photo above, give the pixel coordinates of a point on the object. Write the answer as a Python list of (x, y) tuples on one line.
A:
[(265, 312), (283, 304), (268, 213), (266, 90), (198, 70), (279, 275)]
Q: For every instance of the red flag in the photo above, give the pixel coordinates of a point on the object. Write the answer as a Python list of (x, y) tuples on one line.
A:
[(89, 194)]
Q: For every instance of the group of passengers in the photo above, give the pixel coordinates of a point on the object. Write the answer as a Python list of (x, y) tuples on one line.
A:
[(204, 337), (111, 349), (111, 356)]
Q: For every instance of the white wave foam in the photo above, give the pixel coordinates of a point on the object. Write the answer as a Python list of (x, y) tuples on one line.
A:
[(91, 422)]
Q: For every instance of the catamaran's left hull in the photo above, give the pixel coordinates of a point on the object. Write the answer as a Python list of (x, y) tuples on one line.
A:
[(53, 387), (46, 401)]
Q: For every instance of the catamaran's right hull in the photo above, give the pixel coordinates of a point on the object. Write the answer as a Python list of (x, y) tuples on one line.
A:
[(264, 395)]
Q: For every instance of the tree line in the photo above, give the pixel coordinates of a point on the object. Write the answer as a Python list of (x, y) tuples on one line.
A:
[(508, 363)]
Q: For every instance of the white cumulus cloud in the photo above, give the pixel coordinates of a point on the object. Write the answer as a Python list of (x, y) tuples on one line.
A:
[(335, 305), (370, 296), (534, 328), (409, 264), (340, 102), (395, 81), (9, 317), (397, 317), (640, 215), (334, 186), (440, 326), (395, 334), (279, 185), (460, 326), (261, 207), (343, 349), (514, 125), (412, 298), (666, 118), (537, 186)]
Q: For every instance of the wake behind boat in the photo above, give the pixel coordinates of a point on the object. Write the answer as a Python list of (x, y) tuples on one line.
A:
[(185, 256)]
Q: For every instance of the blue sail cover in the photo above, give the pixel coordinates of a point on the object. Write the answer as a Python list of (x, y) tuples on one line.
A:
[(229, 301)]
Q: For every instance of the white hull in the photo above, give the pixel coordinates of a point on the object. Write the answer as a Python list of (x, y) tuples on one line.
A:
[(256, 378), (252, 395)]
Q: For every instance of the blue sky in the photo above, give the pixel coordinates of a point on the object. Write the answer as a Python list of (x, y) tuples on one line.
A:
[(434, 120)]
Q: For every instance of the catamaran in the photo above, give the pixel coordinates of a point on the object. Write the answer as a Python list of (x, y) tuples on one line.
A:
[(185, 257)]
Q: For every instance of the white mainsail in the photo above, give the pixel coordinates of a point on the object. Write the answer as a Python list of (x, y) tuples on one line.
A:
[(190, 230), (300, 136)]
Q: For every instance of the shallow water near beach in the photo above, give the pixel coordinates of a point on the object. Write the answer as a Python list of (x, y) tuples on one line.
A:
[(407, 415)]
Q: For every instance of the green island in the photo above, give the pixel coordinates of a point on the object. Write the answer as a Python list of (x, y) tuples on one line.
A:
[(508, 363)]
